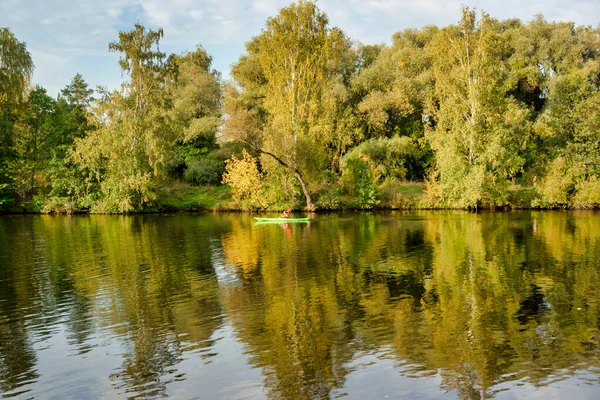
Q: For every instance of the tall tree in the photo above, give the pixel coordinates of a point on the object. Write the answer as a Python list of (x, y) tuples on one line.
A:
[(196, 113), (70, 183), (32, 142), (477, 132), (77, 92), (16, 68), (287, 67), (129, 150), (395, 92)]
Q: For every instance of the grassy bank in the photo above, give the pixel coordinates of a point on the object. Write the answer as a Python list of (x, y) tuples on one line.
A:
[(397, 196), (183, 197)]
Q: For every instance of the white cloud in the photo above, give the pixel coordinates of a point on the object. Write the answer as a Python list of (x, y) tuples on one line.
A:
[(196, 14), (157, 14)]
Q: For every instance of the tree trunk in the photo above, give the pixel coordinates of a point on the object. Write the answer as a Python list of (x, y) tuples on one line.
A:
[(309, 203)]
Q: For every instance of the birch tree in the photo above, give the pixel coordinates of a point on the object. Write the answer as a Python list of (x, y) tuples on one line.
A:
[(129, 150), (477, 131), (283, 77)]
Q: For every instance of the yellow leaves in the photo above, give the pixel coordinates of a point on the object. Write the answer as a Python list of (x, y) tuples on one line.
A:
[(588, 193), (244, 177), (557, 183)]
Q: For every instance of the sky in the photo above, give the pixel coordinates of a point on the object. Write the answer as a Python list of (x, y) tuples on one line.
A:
[(66, 36)]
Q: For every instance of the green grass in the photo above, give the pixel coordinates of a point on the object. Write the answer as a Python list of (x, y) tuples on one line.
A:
[(412, 189), (184, 197), (402, 195)]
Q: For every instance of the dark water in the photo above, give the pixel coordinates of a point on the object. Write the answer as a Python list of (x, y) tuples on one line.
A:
[(415, 306)]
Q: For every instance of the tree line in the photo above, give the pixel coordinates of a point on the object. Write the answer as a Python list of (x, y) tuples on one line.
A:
[(483, 113)]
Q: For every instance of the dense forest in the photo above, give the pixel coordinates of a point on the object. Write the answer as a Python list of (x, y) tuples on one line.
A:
[(480, 114)]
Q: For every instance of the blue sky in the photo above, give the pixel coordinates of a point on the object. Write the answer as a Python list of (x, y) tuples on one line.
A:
[(66, 36)]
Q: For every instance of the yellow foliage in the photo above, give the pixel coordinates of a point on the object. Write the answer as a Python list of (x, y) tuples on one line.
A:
[(557, 183), (588, 193), (245, 179)]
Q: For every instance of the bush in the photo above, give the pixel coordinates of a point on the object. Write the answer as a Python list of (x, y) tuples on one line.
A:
[(59, 205), (522, 197), (332, 199), (245, 180), (558, 184), (208, 169), (361, 182), (5, 200), (394, 157), (204, 171), (588, 193)]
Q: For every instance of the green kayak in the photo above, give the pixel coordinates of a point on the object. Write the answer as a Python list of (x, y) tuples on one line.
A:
[(280, 220)]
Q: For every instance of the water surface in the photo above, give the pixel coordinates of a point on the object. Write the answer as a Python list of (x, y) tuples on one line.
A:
[(392, 305)]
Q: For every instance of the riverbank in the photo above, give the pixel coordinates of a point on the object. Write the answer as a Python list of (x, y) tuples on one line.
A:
[(182, 197)]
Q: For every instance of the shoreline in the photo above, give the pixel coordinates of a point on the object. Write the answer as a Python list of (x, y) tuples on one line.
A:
[(480, 210), (183, 198)]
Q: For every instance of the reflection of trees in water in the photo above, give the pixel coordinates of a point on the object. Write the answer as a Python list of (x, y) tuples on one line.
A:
[(480, 298), (20, 295), (147, 281), (17, 357), (163, 289)]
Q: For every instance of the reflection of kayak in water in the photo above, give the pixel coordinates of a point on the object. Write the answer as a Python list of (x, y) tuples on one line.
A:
[(279, 220)]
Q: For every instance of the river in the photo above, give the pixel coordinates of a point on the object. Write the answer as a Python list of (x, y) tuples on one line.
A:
[(419, 305)]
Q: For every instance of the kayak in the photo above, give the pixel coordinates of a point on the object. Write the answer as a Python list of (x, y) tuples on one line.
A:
[(280, 220)]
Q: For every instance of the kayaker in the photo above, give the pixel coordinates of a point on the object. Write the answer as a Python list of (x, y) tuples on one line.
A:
[(286, 213)]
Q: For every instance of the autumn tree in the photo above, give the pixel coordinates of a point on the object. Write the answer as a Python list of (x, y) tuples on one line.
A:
[(285, 71), (245, 180)]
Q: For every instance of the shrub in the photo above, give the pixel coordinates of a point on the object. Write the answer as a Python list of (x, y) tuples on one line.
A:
[(208, 169), (361, 182), (204, 171), (245, 179), (388, 157), (588, 193), (557, 185)]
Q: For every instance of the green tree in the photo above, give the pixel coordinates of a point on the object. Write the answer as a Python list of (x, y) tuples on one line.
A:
[(395, 92), (196, 113), (32, 143), (477, 132), (71, 186), (16, 68), (128, 152), (569, 123), (286, 69), (77, 92)]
